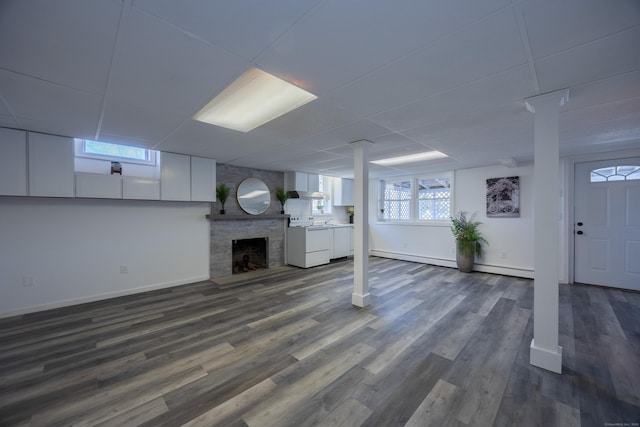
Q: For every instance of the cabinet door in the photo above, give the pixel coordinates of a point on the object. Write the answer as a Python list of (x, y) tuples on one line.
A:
[(296, 181), (140, 188), (13, 162), (175, 177), (342, 192), (313, 182), (203, 179), (98, 186), (50, 166), (341, 242)]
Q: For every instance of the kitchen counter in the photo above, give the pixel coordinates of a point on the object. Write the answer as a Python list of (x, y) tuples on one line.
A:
[(314, 245)]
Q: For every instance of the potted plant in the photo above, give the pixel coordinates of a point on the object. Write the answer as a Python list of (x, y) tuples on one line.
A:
[(469, 240), (350, 212), (282, 197), (222, 193)]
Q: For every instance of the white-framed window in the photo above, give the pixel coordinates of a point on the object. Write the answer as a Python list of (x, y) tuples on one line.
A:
[(418, 199), (114, 152), (434, 198), (396, 200), (322, 206), (615, 173)]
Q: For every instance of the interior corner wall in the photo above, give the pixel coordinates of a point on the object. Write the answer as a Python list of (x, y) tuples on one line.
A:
[(510, 249), (73, 249)]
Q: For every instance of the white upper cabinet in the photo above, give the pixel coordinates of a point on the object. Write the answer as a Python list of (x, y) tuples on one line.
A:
[(175, 177), (97, 185), (296, 181), (342, 192), (203, 179), (313, 182), (51, 172), (301, 181), (13, 162)]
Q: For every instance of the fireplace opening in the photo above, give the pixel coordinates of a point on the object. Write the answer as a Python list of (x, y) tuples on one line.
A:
[(249, 254)]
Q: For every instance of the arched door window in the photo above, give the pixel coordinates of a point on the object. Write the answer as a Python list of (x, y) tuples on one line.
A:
[(615, 173)]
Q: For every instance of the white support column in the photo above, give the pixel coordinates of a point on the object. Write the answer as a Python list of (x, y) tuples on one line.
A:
[(544, 351), (361, 296)]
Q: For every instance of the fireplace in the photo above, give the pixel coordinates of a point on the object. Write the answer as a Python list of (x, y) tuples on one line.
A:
[(249, 254)]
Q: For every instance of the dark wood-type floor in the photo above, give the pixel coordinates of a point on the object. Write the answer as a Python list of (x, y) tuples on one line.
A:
[(286, 348)]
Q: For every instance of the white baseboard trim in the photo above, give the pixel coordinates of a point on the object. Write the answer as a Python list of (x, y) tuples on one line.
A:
[(485, 268), (100, 297), (546, 359)]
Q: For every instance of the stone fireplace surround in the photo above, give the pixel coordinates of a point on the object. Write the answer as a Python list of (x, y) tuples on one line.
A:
[(237, 224)]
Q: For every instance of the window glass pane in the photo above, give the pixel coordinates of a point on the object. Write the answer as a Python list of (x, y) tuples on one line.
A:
[(434, 197), (397, 200), (615, 173), (115, 150)]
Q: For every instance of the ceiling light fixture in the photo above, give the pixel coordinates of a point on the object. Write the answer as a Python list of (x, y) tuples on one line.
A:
[(418, 157), (254, 99)]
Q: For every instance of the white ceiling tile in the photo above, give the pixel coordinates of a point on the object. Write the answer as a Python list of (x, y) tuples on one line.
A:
[(7, 121), (60, 41), (362, 129), (339, 41), (59, 109), (139, 124), (554, 26), (218, 22), (604, 58), (454, 105), (483, 49), (160, 67)]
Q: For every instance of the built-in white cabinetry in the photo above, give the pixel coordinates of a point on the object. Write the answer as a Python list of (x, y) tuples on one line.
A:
[(308, 247), (341, 242), (203, 179), (301, 181), (175, 177), (342, 192), (51, 171), (140, 188), (13, 162), (96, 185)]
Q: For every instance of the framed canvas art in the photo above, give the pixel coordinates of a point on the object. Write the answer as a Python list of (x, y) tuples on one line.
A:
[(503, 197)]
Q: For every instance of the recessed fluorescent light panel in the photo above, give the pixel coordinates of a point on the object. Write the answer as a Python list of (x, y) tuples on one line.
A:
[(254, 99), (411, 158)]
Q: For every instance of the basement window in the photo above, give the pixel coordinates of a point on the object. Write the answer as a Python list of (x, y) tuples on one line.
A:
[(114, 152)]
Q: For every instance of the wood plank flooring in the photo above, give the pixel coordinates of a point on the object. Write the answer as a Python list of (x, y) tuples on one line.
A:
[(285, 347)]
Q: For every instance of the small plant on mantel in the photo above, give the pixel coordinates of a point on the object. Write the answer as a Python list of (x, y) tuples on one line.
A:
[(222, 193), (282, 197)]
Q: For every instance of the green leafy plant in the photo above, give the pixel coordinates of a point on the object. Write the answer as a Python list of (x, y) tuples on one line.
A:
[(469, 240), (282, 197), (222, 193)]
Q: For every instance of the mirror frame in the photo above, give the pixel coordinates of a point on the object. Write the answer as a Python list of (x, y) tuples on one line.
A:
[(257, 204)]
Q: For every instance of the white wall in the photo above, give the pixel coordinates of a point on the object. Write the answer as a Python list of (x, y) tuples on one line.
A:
[(510, 249), (73, 249)]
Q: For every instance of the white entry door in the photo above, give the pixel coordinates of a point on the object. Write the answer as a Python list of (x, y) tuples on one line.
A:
[(607, 223)]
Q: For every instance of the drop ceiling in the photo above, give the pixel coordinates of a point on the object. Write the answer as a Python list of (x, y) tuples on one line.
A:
[(408, 76)]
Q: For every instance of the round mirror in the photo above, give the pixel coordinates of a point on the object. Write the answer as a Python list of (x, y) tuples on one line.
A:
[(253, 196)]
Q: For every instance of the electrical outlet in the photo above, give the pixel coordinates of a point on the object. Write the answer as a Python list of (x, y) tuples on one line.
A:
[(124, 269), (27, 281)]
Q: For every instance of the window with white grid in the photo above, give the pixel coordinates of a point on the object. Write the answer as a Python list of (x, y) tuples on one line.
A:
[(396, 200), (434, 198)]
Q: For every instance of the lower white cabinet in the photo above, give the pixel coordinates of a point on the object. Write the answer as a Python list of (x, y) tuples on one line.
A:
[(308, 247), (341, 242)]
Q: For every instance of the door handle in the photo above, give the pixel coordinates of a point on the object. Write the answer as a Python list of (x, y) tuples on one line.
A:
[(579, 224), (579, 232)]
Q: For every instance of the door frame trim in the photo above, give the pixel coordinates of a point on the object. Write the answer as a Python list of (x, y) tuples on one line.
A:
[(568, 164)]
